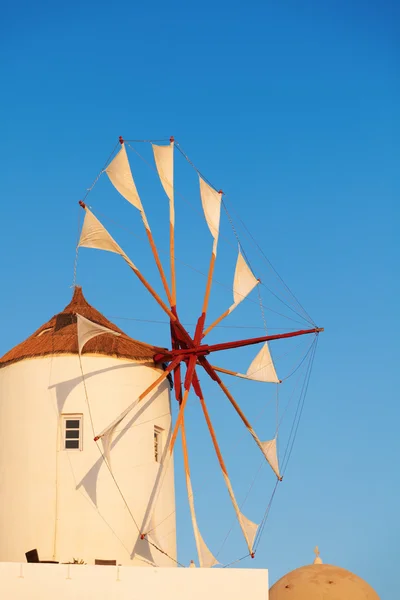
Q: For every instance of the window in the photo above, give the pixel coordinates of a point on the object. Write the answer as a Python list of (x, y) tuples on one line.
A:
[(157, 444), (72, 432)]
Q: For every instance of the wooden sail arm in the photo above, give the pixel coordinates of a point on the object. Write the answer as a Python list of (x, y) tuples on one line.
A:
[(240, 517), (187, 386), (158, 261), (205, 349)]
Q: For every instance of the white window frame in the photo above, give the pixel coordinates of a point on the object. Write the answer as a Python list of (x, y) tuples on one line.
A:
[(64, 429), (157, 443)]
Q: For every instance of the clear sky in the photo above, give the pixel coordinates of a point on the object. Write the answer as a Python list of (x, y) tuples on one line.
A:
[(292, 109)]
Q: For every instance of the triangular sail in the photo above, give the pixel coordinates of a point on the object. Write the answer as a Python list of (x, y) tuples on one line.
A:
[(262, 367), (164, 159), (249, 529), (106, 441), (88, 330), (94, 235), (271, 454), (211, 201), (206, 558), (120, 175), (153, 532), (243, 282)]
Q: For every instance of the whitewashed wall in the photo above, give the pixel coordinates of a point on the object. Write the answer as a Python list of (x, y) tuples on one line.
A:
[(65, 503), (47, 582)]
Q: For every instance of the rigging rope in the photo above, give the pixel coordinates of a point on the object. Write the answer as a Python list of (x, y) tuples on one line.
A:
[(194, 324), (249, 263), (301, 403), (308, 318)]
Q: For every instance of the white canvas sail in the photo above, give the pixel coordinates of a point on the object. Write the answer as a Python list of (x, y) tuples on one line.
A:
[(271, 454), (244, 281), (153, 535), (88, 330), (262, 367), (211, 201), (249, 529), (94, 235), (206, 558), (120, 175), (164, 159)]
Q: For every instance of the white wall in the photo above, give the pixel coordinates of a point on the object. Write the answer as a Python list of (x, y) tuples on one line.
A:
[(66, 503), (47, 582)]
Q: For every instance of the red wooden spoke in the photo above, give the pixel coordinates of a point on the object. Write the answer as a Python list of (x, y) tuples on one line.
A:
[(205, 349)]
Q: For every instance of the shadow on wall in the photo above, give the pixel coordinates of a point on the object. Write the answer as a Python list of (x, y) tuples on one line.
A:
[(89, 481), (64, 388)]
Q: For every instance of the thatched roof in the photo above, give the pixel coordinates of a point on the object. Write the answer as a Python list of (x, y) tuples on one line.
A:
[(59, 336)]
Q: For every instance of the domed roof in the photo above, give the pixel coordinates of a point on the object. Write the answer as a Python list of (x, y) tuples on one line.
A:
[(59, 336), (321, 582)]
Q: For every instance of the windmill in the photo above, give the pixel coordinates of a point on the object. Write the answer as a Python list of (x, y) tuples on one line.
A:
[(188, 354)]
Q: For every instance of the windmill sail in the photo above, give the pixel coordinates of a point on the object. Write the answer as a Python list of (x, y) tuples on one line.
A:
[(243, 283), (94, 235), (120, 175), (262, 367), (164, 159), (271, 454), (211, 202), (88, 330)]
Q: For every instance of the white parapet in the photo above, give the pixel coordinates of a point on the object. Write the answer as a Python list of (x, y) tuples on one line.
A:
[(35, 581)]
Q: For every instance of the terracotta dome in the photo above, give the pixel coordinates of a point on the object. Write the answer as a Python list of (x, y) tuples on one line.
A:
[(321, 582), (59, 336)]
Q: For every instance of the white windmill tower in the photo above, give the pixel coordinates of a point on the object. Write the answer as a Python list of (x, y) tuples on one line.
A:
[(59, 493)]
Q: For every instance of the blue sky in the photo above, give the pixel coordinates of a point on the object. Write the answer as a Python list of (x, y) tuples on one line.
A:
[(292, 110)]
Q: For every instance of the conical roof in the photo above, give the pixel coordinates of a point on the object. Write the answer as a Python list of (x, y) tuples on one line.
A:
[(59, 336)]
